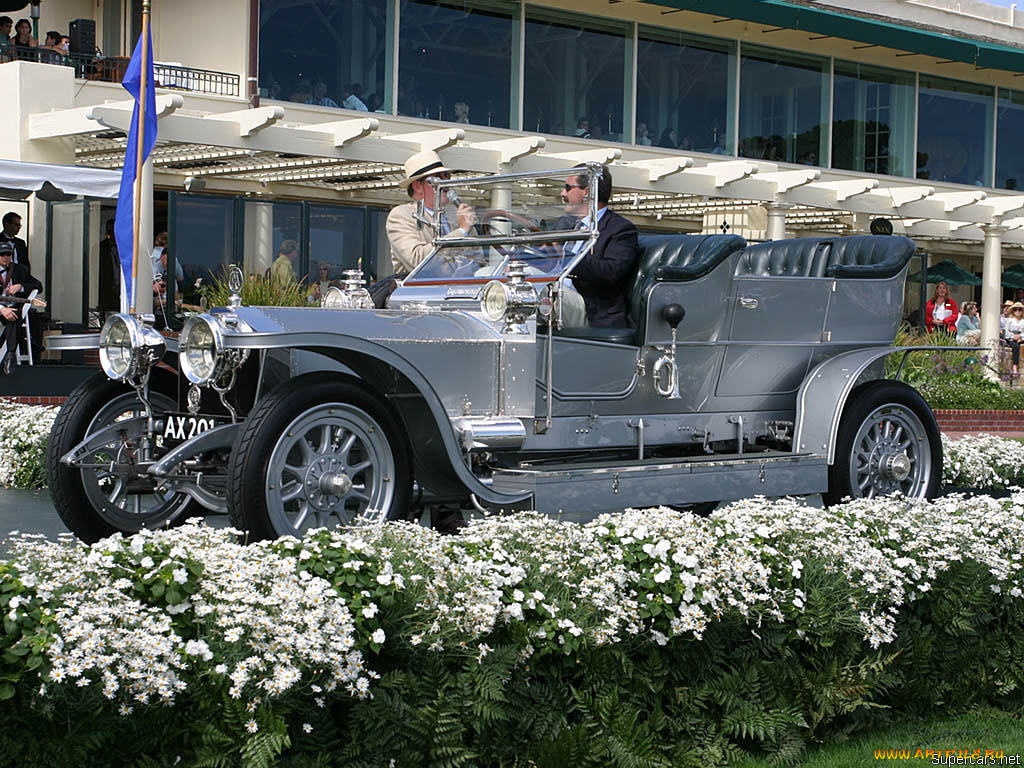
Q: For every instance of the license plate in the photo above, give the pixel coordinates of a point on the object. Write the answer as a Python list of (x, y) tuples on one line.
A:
[(180, 427)]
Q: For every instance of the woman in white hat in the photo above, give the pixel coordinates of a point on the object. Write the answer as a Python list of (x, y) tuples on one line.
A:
[(411, 239), (1014, 332)]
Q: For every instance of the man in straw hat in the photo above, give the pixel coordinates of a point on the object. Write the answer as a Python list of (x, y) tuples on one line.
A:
[(411, 238)]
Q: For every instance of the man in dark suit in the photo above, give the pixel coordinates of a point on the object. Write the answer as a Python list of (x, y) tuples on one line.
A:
[(602, 274), (15, 280), (12, 226)]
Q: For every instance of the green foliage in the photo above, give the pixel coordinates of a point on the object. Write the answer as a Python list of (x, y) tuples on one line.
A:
[(257, 291)]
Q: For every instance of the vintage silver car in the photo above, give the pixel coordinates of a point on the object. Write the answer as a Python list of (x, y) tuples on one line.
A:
[(749, 369)]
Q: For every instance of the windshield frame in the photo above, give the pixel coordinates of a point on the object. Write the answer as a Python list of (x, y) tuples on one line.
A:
[(593, 171)]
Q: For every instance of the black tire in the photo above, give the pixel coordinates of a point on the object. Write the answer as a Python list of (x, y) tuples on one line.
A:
[(359, 472), (78, 494), (888, 443)]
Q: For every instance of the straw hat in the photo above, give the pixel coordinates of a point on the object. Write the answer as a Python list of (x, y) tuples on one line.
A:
[(1008, 303), (421, 165), (1018, 305)]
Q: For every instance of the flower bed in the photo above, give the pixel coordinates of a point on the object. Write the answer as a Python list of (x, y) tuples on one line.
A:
[(650, 637)]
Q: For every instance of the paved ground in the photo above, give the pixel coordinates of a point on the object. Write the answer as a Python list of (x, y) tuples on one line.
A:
[(33, 512)]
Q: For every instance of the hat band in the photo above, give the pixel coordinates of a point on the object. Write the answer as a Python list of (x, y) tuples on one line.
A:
[(426, 168)]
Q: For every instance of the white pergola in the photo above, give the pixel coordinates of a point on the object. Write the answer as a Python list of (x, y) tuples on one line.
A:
[(294, 151)]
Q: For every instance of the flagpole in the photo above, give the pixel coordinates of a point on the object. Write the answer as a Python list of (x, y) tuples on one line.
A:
[(137, 208)]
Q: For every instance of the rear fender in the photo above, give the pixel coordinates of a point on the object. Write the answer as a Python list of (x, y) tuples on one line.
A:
[(823, 395)]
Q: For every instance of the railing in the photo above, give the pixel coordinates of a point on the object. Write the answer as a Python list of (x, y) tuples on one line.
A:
[(111, 69)]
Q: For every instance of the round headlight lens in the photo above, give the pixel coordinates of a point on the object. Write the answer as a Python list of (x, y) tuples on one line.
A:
[(495, 301), (334, 298), (200, 349), (117, 357)]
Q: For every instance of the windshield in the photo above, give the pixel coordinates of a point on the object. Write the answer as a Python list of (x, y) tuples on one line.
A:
[(518, 217)]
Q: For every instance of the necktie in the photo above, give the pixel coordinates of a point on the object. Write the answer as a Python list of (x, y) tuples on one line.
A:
[(445, 226)]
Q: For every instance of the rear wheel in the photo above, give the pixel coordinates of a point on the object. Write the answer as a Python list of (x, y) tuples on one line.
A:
[(107, 495), (888, 443), (318, 452)]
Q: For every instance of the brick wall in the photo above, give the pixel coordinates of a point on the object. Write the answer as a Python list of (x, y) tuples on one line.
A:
[(980, 421), (38, 400)]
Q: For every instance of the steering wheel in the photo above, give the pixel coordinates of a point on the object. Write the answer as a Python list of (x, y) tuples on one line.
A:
[(515, 218)]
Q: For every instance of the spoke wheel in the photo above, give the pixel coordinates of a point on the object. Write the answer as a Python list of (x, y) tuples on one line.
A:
[(318, 453), (107, 496), (888, 444)]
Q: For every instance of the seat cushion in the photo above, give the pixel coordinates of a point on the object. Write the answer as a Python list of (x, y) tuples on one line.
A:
[(869, 256), (800, 257)]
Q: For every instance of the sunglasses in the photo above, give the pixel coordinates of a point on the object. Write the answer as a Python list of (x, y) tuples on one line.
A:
[(573, 186)]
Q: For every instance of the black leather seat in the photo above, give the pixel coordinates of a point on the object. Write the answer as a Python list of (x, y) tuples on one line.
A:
[(860, 256), (675, 258)]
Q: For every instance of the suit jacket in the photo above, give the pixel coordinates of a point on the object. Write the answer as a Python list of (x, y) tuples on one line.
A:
[(411, 240), (601, 278)]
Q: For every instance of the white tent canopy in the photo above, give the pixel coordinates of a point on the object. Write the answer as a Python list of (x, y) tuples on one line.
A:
[(55, 183)]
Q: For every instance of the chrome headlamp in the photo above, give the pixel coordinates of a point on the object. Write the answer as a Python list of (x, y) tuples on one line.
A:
[(351, 295), (512, 302), (129, 346), (203, 358)]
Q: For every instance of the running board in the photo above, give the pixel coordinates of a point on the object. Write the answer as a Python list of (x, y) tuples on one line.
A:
[(588, 489)]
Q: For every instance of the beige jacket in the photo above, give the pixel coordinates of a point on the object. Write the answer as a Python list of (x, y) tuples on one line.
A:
[(411, 240)]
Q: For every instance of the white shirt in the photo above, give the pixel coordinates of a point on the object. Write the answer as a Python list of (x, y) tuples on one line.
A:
[(1014, 325), (941, 312), (354, 102)]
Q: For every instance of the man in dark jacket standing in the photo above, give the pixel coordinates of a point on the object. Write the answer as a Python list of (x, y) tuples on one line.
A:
[(602, 274), (16, 281)]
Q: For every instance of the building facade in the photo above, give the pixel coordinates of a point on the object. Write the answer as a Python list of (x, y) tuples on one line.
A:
[(290, 119)]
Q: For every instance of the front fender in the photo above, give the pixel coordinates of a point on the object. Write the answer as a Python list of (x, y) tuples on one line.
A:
[(324, 341), (823, 395)]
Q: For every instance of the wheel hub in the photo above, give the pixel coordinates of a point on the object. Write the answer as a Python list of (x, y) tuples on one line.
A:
[(896, 467), (326, 482)]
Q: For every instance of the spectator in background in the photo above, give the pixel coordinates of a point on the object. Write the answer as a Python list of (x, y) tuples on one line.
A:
[(11, 228), (6, 49), (941, 310), (668, 138), (583, 128), (159, 258), (23, 42), (303, 92), (1007, 308), (354, 98), (461, 112), (281, 271), (110, 273), (320, 283), (373, 104), (643, 136), (15, 280), (52, 51), (320, 97), (968, 325), (1014, 333)]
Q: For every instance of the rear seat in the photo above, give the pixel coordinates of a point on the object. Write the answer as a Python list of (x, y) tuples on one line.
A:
[(676, 258), (860, 256)]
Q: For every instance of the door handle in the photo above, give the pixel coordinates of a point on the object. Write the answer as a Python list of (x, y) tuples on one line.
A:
[(748, 302)]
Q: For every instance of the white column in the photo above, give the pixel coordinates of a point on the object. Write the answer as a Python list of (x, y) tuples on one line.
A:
[(777, 220), (991, 287), (144, 281)]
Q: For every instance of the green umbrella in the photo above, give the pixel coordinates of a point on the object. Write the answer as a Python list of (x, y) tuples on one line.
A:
[(1013, 278), (949, 272)]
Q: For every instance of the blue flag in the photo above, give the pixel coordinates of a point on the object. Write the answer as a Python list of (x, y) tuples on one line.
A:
[(124, 221)]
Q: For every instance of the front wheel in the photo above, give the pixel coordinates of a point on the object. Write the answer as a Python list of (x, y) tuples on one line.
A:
[(108, 493), (317, 452), (888, 443)]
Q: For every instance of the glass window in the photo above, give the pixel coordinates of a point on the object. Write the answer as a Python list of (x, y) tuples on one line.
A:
[(872, 119), (455, 61), (682, 96), (1009, 130), (336, 241), (954, 133), (267, 225), (575, 77), (325, 52), (203, 235), (782, 106)]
